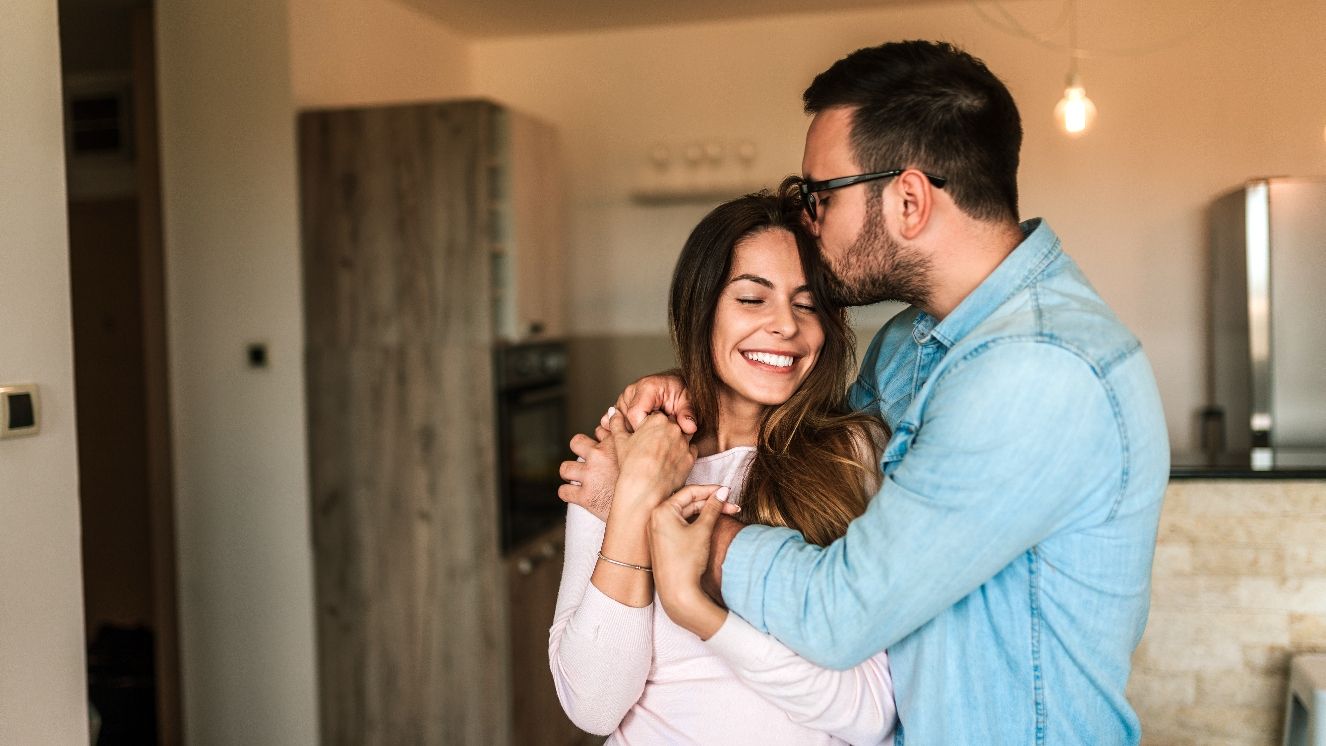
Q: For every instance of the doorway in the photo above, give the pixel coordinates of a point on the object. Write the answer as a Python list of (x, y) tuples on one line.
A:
[(118, 309)]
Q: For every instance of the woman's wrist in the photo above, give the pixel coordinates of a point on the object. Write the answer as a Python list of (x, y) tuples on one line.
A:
[(636, 498), (627, 542), (696, 613)]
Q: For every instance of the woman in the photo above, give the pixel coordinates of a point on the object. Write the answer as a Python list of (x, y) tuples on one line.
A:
[(766, 366)]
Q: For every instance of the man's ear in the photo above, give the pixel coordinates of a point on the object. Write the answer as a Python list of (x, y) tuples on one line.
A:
[(914, 199)]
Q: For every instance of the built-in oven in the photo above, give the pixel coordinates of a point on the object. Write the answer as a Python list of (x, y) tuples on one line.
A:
[(532, 437)]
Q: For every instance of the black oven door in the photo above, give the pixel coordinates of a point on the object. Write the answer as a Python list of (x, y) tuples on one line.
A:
[(533, 445)]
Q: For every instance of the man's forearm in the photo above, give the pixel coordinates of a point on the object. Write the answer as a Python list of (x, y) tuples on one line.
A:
[(712, 581)]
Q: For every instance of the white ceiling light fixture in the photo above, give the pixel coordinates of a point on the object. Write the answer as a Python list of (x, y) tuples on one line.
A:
[(1074, 111)]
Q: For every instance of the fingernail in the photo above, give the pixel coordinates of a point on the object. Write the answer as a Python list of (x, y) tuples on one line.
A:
[(573, 483), (722, 493), (612, 412)]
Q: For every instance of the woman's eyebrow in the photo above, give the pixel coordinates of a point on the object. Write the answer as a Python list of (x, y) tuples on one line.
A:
[(753, 278), (762, 281)]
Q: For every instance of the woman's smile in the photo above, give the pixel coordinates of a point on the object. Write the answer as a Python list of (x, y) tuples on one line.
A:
[(772, 361)]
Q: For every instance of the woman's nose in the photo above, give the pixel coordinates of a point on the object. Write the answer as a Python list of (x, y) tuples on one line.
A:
[(783, 321)]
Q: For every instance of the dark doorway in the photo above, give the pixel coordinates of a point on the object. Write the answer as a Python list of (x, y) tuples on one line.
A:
[(118, 302)]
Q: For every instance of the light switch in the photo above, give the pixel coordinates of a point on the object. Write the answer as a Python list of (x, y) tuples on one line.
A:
[(257, 355), (20, 410)]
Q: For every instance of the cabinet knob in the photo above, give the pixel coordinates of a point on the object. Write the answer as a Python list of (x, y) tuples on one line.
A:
[(525, 566), (548, 550)]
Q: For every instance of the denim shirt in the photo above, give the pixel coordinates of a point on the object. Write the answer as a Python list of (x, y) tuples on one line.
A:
[(1006, 561)]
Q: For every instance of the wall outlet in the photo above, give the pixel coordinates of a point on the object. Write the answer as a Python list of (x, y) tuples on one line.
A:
[(20, 410)]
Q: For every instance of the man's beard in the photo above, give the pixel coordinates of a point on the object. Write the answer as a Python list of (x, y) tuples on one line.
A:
[(877, 268)]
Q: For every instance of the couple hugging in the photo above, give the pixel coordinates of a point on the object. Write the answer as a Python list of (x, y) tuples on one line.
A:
[(954, 550)]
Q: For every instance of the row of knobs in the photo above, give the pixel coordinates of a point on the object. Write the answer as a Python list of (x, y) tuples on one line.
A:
[(546, 551)]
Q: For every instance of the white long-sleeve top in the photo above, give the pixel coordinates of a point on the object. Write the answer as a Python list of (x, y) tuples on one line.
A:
[(633, 673)]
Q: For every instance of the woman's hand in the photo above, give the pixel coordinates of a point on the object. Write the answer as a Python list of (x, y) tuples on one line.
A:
[(680, 550), (663, 391), (653, 461)]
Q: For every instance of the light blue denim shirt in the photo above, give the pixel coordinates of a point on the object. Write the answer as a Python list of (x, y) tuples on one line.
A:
[(1006, 561)]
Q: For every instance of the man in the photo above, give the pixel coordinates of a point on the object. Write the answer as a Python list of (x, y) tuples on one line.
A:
[(1005, 563)]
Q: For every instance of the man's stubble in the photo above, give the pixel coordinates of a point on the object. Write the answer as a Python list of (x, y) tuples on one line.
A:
[(877, 267)]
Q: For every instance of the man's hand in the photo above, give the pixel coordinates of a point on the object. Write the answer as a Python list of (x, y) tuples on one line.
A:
[(663, 392), (680, 551), (724, 532), (591, 477)]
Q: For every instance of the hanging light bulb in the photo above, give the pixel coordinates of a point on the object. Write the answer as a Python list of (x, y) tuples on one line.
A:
[(1075, 111)]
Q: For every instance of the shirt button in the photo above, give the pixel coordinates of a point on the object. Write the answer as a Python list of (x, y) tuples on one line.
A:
[(922, 336)]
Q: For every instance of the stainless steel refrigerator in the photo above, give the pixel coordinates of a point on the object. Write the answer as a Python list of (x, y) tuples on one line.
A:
[(1268, 319)]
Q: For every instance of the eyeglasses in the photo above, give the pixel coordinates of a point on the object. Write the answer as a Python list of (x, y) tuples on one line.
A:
[(810, 188)]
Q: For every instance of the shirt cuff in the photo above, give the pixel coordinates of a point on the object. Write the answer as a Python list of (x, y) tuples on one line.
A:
[(746, 566), (738, 642)]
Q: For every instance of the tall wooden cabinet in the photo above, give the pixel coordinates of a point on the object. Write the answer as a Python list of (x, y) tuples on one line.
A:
[(408, 220)]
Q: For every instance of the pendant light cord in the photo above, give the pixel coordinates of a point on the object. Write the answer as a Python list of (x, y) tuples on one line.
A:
[(1009, 24)]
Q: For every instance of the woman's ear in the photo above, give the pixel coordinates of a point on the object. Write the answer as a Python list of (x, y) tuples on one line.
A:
[(914, 199)]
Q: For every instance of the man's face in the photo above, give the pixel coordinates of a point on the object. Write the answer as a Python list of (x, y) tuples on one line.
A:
[(867, 263)]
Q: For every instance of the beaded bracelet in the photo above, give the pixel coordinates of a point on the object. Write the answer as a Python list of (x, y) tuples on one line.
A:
[(625, 564)]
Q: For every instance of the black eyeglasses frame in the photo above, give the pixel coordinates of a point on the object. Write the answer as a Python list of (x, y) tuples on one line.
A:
[(810, 188)]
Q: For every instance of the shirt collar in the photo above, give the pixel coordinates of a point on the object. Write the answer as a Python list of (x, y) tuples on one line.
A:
[(1038, 248)]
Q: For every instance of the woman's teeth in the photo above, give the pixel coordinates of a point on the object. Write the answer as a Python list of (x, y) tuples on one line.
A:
[(778, 361)]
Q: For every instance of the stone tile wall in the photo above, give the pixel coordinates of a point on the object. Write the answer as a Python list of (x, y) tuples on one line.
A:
[(1239, 586)]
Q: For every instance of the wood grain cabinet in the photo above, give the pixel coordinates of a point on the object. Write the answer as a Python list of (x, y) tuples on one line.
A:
[(410, 217)]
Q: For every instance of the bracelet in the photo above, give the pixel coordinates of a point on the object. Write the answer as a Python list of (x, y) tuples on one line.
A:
[(618, 563)]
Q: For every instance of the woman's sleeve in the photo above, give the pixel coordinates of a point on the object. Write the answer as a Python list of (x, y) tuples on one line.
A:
[(600, 650), (855, 705), (868, 442)]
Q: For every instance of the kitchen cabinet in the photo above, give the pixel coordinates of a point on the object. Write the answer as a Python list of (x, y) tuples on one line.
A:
[(529, 295), (533, 572), (406, 214)]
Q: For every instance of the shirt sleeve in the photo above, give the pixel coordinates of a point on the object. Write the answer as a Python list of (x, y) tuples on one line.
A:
[(855, 705), (1013, 441), (600, 650)]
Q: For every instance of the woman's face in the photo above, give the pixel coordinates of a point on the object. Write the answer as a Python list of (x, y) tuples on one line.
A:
[(766, 334)]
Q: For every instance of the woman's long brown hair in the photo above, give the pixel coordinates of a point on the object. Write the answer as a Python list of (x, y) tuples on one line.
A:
[(808, 472)]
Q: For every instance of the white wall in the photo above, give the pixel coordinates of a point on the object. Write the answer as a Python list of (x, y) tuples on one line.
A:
[(1176, 127), (232, 260), (231, 77), (359, 52), (43, 685)]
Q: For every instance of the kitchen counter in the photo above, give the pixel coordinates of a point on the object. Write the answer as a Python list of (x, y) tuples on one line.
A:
[(1286, 464), (1238, 587)]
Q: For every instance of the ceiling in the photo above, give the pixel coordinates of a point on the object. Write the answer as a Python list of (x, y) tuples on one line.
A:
[(488, 18)]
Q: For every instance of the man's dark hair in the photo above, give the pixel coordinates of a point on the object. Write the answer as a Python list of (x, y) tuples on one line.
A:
[(930, 106)]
